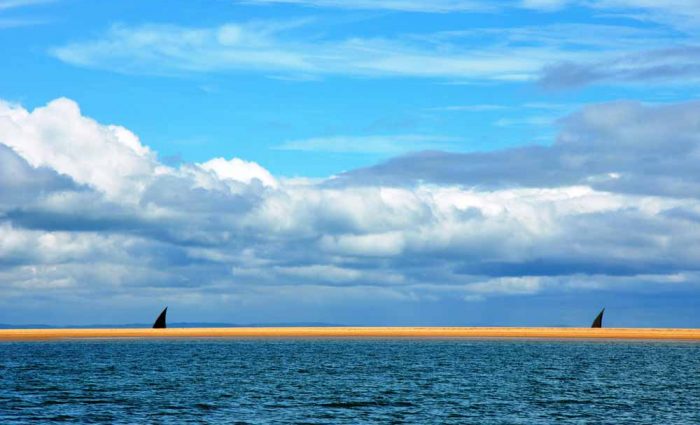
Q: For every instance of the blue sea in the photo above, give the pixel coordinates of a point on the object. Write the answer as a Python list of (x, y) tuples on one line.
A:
[(349, 382)]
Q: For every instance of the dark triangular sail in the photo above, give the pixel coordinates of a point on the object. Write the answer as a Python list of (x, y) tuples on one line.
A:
[(598, 322), (160, 321)]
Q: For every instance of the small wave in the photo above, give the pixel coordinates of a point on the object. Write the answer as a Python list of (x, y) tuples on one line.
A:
[(204, 406), (356, 404)]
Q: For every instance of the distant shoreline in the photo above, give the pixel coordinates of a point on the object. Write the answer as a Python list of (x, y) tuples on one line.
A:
[(355, 332)]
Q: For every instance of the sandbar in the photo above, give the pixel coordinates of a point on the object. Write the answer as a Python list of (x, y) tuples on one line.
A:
[(357, 332)]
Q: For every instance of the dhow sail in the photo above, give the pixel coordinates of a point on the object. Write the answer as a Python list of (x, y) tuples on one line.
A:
[(598, 322), (160, 321)]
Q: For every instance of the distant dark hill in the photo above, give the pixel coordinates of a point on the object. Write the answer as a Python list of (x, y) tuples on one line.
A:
[(174, 325)]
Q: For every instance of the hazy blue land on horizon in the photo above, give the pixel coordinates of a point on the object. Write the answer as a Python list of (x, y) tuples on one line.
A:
[(349, 381), (171, 325)]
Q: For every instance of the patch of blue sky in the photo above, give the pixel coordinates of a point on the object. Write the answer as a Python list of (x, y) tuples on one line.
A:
[(249, 110)]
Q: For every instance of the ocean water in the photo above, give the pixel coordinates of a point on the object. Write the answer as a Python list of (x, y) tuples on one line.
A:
[(350, 381)]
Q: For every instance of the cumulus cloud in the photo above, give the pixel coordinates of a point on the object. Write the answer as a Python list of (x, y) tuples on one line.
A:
[(239, 170), (21, 183), (107, 157), (419, 229)]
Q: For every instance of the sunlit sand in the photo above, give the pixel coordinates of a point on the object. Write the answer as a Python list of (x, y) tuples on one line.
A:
[(356, 332)]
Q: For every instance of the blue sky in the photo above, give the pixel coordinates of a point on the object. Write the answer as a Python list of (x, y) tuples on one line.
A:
[(248, 110), (361, 162)]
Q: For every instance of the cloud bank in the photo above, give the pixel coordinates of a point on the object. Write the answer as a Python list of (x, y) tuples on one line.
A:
[(619, 147), (89, 215)]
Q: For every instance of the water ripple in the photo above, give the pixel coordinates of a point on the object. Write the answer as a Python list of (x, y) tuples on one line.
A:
[(349, 381)]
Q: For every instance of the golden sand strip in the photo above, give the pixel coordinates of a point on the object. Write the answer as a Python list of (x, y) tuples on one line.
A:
[(356, 332)]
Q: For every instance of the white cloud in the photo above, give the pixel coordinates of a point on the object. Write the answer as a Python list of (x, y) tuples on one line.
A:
[(39, 247), (107, 157), (544, 4), (227, 229), (507, 285), (606, 146), (239, 170), (556, 55), (371, 245), (470, 108), (431, 6), (286, 50), (667, 65), (13, 4), (683, 13), (381, 144), (10, 19)]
